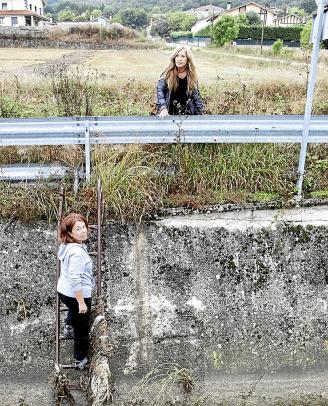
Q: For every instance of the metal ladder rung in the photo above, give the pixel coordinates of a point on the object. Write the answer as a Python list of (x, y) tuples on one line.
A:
[(63, 309), (74, 386), (93, 253), (93, 226), (61, 337), (68, 366)]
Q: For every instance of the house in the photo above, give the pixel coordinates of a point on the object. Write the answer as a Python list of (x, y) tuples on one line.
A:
[(205, 11), (263, 12), (16, 13), (104, 21), (286, 21), (199, 25)]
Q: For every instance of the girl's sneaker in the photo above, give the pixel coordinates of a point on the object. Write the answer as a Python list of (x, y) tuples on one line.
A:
[(84, 363)]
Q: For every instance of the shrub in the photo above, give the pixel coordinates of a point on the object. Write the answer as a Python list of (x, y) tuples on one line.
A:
[(9, 107), (277, 47), (305, 36), (270, 32), (101, 33), (204, 32), (74, 92), (177, 34)]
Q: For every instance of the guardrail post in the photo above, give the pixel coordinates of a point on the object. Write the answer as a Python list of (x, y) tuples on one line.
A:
[(317, 31), (87, 151)]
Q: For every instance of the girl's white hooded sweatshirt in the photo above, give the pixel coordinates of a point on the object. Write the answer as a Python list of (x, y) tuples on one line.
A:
[(76, 270)]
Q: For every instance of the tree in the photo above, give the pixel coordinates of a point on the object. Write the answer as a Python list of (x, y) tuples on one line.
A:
[(96, 13), (108, 11), (252, 18), (161, 28), (241, 19), (134, 17), (188, 21), (66, 15), (225, 30), (156, 10), (297, 11), (180, 21), (308, 6), (69, 5), (81, 18)]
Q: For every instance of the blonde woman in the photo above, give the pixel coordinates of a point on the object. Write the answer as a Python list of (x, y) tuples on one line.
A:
[(177, 88)]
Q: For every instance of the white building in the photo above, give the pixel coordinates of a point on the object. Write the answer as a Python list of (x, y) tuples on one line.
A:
[(104, 21), (289, 20), (263, 12), (16, 13), (199, 25)]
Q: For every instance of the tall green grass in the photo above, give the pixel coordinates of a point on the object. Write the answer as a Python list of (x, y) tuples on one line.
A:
[(143, 179)]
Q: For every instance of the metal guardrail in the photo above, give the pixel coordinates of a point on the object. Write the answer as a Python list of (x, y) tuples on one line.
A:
[(90, 131), (191, 129), (32, 172)]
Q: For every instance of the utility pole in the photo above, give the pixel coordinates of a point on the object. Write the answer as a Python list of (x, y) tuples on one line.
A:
[(317, 36), (264, 13)]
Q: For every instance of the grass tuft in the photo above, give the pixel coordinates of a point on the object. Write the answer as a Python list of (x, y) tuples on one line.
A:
[(161, 385)]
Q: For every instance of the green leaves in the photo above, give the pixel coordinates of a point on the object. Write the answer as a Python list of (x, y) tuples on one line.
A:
[(225, 30)]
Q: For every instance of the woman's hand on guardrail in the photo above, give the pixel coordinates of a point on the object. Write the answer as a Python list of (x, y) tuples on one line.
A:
[(163, 113)]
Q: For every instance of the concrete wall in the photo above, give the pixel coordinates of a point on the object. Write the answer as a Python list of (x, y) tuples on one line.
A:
[(239, 298), (27, 264)]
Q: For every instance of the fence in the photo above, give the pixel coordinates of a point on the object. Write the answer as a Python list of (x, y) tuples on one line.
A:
[(90, 131), (266, 42), (204, 41), (195, 41)]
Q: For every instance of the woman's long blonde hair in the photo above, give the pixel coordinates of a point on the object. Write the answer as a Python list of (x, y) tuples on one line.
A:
[(170, 73)]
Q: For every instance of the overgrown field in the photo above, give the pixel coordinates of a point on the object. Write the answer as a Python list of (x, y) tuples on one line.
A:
[(139, 180)]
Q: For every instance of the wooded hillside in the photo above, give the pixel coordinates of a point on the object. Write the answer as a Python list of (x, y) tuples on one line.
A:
[(169, 5)]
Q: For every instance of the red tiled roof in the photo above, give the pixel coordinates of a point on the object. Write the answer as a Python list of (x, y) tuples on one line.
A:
[(21, 13)]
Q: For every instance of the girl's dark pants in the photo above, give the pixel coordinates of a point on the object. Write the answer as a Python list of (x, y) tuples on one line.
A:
[(81, 324)]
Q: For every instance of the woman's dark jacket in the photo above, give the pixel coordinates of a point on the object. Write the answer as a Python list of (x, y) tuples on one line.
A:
[(196, 105)]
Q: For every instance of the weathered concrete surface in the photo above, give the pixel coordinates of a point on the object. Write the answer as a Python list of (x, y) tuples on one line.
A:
[(226, 295), (240, 298), (28, 271)]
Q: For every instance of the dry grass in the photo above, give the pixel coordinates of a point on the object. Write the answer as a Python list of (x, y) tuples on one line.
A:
[(66, 155), (16, 59), (148, 64)]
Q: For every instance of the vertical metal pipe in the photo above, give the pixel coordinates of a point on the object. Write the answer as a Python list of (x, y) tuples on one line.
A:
[(317, 32), (99, 215), (263, 25), (87, 151), (60, 215)]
